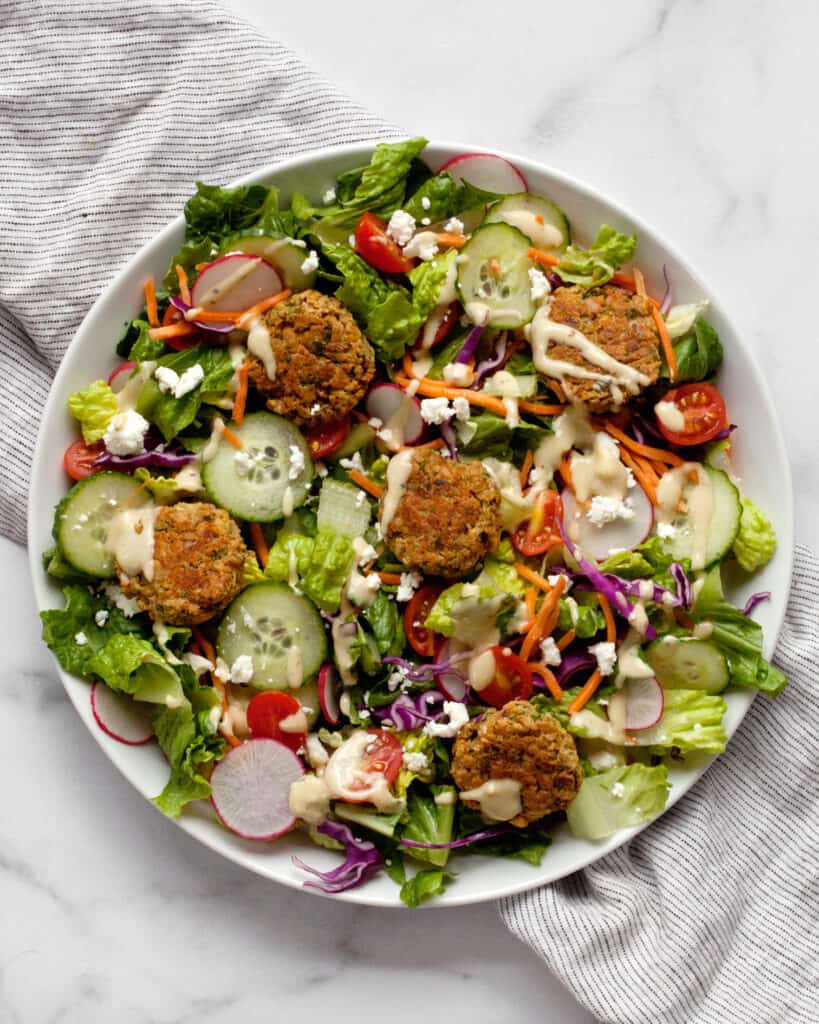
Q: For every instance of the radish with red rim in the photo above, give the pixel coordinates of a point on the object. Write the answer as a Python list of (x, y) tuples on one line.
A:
[(118, 377), (250, 788), (488, 172), (121, 717), (328, 690), (644, 703), (599, 542), (452, 683), (399, 413), (235, 282)]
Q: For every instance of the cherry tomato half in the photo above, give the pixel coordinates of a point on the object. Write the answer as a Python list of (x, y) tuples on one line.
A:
[(419, 637), (703, 411), (79, 458), (269, 711), (373, 244), (361, 772), (446, 325), (513, 679), (536, 535), (324, 440), (384, 754)]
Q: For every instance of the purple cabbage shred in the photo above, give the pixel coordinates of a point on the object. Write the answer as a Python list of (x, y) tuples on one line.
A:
[(665, 303), (754, 600), (491, 363), (683, 584), (362, 860), (476, 837), (205, 325)]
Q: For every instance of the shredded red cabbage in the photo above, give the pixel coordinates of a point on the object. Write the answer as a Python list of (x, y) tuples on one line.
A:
[(448, 435), (725, 433), (476, 837), (754, 600), (491, 363), (665, 302), (684, 592), (408, 712), (572, 665), (205, 325), (156, 458), (362, 861), (470, 344)]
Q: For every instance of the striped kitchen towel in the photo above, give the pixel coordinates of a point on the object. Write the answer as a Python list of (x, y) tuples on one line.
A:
[(710, 915), (110, 110)]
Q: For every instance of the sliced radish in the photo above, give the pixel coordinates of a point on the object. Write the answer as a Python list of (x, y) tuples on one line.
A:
[(453, 685), (644, 704), (235, 282), (251, 788), (118, 377), (599, 542), (487, 171), (328, 690), (399, 413), (121, 717)]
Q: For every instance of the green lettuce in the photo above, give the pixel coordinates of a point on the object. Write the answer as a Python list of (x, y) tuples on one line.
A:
[(424, 885), (386, 625), (597, 265), (584, 617), (691, 721), (755, 543), (322, 564), (429, 822), (617, 798), (698, 353), (131, 665), (529, 844), (469, 618), (680, 319), (144, 348), (490, 436), (446, 198), (172, 415), (94, 407), (427, 280)]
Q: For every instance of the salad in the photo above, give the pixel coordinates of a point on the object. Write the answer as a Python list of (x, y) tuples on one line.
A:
[(401, 523)]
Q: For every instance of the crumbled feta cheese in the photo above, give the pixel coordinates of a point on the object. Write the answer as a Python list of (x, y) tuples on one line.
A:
[(366, 553), (310, 262), (457, 715), (351, 241), (455, 225), (394, 680), (198, 663), (190, 379), (460, 406), (320, 468), (630, 481), (243, 462), (415, 761), (126, 434), (410, 582), (298, 242), (364, 714), (222, 672), (80, 639), (555, 578), (352, 463), (329, 196), (127, 605), (241, 671), (458, 374), (436, 410), (296, 462), (539, 286), (426, 202), (549, 653), (426, 221), (424, 246), (606, 655), (101, 617), (618, 789), (401, 227), (166, 378), (605, 510), (666, 530)]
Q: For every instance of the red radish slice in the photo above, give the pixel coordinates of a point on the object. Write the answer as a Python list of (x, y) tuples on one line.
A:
[(644, 704), (328, 690), (452, 686), (598, 542), (120, 717), (118, 377), (487, 171), (235, 282), (399, 413), (251, 788)]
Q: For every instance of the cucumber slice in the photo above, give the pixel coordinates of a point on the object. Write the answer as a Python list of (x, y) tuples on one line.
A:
[(259, 492), (723, 525), (307, 696), (82, 517), (286, 257), (543, 223), (688, 665), (359, 437), (268, 621), (493, 275)]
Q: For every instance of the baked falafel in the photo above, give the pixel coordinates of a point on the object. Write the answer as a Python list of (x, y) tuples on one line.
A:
[(447, 519), (324, 364), (199, 555), (519, 743)]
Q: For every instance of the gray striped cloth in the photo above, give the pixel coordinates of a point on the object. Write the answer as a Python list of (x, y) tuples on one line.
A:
[(711, 915), (110, 110)]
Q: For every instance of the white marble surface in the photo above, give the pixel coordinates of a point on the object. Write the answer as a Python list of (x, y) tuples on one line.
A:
[(695, 115)]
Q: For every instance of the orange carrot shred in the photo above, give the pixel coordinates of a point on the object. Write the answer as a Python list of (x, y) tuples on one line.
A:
[(451, 239), (642, 449), (565, 640), (262, 307), (538, 219), (590, 687), (532, 576), (640, 283), (182, 278), (639, 472), (390, 578), (495, 267), (179, 330), (364, 482), (150, 303), (259, 543), (240, 401), (526, 468), (665, 341), (549, 679), (232, 438), (548, 259), (538, 628)]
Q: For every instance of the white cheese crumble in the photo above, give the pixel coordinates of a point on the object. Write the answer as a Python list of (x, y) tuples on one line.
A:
[(243, 462), (126, 434), (455, 225), (352, 463), (618, 789), (198, 663), (424, 246), (606, 656), (127, 605), (365, 553), (460, 407), (436, 410), (458, 374), (329, 196), (549, 653), (401, 227), (415, 761), (539, 286), (395, 679), (555, 578), (296, 462), (241, 671), (604, 509), (101, 617), (426, 202), (666, 530), (410, 582), (457, 715), (310, 262), (170, 383), (80, 639)]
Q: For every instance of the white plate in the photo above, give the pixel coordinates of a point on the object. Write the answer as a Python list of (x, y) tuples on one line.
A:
[(760, 457)]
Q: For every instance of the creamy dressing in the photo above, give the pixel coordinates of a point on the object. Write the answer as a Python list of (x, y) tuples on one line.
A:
[(309, 799), (212, 445), (392, 433), (130, 539), (294, 672), (618, 378), (292, 565), (515, 505), (127, 398), (459, 374), (544, 236), (259, 345), (629, 663), (446, 297), (670, 416), (226, 285), (343, 637), (478, 312), (234, 720), (702, 630), (499, 799), (571, 428), (638, 618), (398, 473), (345, 777), (481, 670), (359, 589), (599, 472), (699, 500), (423, 245), (646, 588), (475, 625), (611, 729), (422, 364), (189, 478), (288, 501)]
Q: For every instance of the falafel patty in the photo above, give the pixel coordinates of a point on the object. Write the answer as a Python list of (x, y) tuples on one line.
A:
[(618, 322), (324, 364), (448, 517), (198, 559), (518, 743)]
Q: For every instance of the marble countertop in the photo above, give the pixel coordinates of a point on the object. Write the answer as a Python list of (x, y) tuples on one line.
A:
[(682, 111)]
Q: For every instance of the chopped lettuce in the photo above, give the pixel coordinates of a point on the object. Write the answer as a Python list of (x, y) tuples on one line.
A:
[(617, 798), (471, 618), (446, 198), (698, 353), (386, 625), (131, 665), (143, 347), (429, 822), (581, 613), (691, 721), (423, 885), (680, 319), (322, 563), (598, 264), (94, 407), (756, 541), (428, 279), (488, 436)]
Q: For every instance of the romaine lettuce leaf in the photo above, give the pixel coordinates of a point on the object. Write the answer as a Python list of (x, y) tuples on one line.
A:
[(617, 798), (598, 264), (129, 664), (429, 822), (691, 721), (173, 415), (755, 543), (698, 353), (386, 625), (424, 885), (470, 618), (322, 563), (446, 198), (94, 407), (427, 280)]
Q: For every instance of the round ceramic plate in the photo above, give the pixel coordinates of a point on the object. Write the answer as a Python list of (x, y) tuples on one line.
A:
[(760, 459)]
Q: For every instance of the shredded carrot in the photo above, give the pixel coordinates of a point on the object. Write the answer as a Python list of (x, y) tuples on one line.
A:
[(202, 643), (541, 409), (526, 468), (566, 471), (150, 303), (543, 616), (495, 267), (538, 219), (531, 601), (625, 281), (364, 482), (232, 438), (638, 469), (565, 640), (511, 349), (640, 283), (262, 307), (240, 399), (171, 315), (548, 677), (665, 341), (590, 687), (212, 316), (205, 644), (406, 362), (179, 330), (390, 578), (642, 449), (611, 629), (259, 543), (429, 446), (437, 389), (200, 266), (182, 278), (533, 577), (546, 258), (451, 239)]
